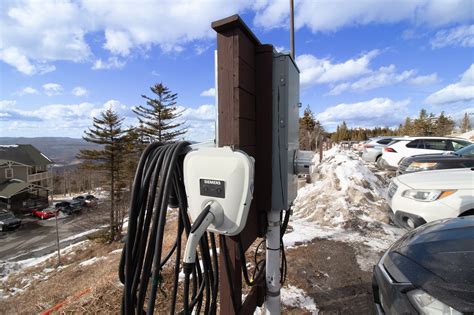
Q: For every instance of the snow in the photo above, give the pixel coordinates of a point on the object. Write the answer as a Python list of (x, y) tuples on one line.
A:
[(295, 297), (91, 261), (467, 135), (346, 203), (8, 146)]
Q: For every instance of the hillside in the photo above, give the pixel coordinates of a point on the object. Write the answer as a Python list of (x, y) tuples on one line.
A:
[(61, 150)]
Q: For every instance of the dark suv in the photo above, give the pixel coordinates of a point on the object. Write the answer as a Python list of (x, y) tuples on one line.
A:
[(462, 158), (69, 207), (8, 221)]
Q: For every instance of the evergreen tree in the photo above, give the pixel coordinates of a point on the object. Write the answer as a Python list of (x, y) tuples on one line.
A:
[(444, 125), (465, 123), (108, 132), (310, 131), (158, 116)]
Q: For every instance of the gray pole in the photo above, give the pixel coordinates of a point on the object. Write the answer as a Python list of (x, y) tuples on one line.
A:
[(292, 29), (57, 238)]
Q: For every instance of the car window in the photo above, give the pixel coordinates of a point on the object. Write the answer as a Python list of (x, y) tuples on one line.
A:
[(414, 144), (466, 151), (384, 141), (5, 216), (435, 144), (459, 144), (393, 142)]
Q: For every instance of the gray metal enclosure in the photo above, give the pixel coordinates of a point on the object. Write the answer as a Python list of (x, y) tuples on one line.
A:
[(285, 144)]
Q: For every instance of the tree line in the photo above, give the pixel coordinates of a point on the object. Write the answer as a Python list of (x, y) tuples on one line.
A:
[(122, 146), (426, 124)]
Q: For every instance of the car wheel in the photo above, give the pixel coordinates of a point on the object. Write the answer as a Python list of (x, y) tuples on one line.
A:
[(379, 162), (466, 213)]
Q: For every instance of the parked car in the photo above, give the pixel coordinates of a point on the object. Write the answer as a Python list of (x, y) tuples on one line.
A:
[(400, 148), (46, 213), (90, 200), (8, 221), (462, 158), (69, 207), (373, 148), (421, 197), (428, 271)]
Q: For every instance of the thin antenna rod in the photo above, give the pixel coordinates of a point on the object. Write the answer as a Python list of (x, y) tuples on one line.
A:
[(292, 29)]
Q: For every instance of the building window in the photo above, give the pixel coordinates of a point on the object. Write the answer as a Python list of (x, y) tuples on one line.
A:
[(9, 172)]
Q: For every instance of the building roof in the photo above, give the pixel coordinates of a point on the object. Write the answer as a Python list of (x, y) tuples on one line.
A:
[(15, 186), (11, 188), (24, 154)]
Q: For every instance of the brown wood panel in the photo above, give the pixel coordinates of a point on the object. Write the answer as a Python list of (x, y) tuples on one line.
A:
[(246, 109), (246, 48), (243, 125), (246, 131), (245, 78), (255, 298), (225, 55)]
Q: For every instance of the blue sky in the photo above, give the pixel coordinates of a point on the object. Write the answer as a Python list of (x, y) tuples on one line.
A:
[(370, 63)]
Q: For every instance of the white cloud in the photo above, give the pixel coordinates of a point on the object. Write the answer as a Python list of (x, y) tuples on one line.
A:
[(210, 92), (13, 57), (32, 39), (384, 76), (318, 71), (79, 91), (37, 32), (27, 90), (204, 112), (117, 42), (329, 15), (458, 36), (375, 112), (110, 63), (462, 91), (199, 121), (51, 89), (425, 79), (7, 104)]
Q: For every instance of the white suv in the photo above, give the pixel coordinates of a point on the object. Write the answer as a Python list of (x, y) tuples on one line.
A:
[(400, 148), (421, 197)]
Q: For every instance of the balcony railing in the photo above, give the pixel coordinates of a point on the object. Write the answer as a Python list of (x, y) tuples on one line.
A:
[(39, 176)]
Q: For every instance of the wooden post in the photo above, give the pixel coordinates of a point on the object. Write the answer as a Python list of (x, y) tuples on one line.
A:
[(244, 123)]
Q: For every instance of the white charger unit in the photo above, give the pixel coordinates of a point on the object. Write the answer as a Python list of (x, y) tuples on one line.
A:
[(220, 177)]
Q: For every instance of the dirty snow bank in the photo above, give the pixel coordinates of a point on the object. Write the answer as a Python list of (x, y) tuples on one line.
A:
[(345, 202), (295, 297), (344, 193)]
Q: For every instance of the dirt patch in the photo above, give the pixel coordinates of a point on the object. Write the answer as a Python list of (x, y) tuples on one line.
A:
[(329, 273)]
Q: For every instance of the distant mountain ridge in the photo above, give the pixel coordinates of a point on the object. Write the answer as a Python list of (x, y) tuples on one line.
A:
[(62, 150)]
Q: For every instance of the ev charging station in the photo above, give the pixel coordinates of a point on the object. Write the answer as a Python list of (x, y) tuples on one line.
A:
[(238, 190)]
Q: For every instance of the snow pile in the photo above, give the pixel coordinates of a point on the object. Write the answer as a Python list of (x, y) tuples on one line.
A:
[(344, 193), (345, 203), (91, 261), (467, 135), (295, 297)]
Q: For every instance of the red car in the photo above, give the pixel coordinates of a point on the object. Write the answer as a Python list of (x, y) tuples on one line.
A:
[(45, 213)]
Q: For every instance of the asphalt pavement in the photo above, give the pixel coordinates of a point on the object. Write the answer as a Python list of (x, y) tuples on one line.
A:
[(36, 238)]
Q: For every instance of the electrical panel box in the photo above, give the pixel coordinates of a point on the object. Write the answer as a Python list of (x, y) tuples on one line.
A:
[(285, 141)]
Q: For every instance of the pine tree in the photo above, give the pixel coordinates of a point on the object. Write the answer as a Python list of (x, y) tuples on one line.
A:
[(444, 125), (158, 116), (310, 130), (465, 123), (108, 132)]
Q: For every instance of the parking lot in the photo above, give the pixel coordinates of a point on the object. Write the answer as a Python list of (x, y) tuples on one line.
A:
[(37, 237)]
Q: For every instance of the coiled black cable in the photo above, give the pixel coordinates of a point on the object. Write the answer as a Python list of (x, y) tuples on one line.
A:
[(160, 174)]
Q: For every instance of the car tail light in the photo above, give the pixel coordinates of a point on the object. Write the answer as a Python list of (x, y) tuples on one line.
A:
[(368, 146), (390, 150)]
